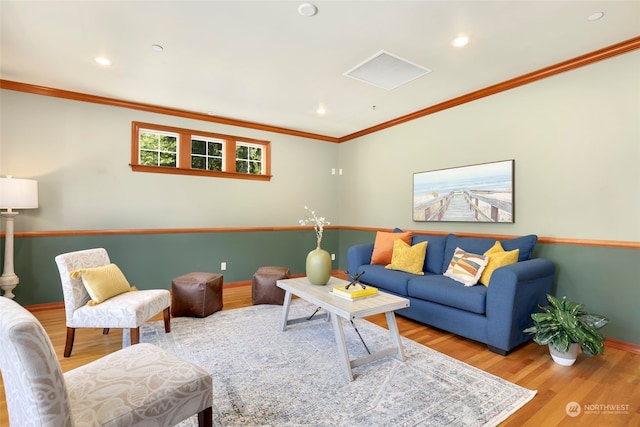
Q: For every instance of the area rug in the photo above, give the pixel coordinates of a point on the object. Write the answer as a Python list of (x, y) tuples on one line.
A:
[(263, 376)]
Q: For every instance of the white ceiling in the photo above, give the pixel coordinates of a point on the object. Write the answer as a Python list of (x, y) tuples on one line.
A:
[(261, 61)]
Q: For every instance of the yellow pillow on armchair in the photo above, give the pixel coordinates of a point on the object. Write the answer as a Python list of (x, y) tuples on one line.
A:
[(103, 282)]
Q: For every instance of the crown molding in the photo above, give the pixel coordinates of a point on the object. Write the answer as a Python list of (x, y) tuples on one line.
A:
[(84, 97), (561, 67)]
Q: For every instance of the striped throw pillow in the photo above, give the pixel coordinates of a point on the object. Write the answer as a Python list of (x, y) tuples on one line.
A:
[(466, 267)]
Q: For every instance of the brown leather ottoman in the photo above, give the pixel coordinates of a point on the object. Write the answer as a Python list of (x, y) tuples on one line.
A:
[(263, 285), (196, 294)]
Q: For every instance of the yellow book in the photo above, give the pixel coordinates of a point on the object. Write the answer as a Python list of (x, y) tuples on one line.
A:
[(355, 291)]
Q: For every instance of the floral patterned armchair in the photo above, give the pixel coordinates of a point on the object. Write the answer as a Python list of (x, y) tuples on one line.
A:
[(140, 385), (127, 311)]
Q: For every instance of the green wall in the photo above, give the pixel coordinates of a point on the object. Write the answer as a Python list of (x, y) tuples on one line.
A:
[(604, 279), (152, 260)]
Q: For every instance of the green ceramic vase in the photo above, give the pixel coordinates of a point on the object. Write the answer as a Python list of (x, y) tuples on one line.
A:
[(318, 266)]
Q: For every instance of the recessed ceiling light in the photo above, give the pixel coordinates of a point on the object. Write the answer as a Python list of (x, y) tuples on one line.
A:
[(595, 16), (103, 61), (157, 48), (460, 41), (321, 110), (307, 9)]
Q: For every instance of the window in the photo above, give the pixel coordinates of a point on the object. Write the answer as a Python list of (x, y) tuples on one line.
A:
[(165, 149), (158, 149), (249, 158), (206, 153)]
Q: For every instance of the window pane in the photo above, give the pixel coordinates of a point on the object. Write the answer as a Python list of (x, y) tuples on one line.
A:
[(255, 153), (242, 152), (149, 158), (168, 143), (168, 159), (215, 148), (241, 166), (148, 141), (198, 162), (198, 147), (215, 164), (255, 168)]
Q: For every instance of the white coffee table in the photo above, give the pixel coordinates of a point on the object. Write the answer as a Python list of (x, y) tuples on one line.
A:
[(337, 307)]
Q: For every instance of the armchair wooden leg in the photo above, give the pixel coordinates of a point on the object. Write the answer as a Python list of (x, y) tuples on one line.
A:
[(205, 417), (105, 331), (135, 335), (167, 320), (68, 345)]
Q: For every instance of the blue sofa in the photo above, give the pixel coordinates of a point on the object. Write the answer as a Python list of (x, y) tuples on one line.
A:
[(495, 315)]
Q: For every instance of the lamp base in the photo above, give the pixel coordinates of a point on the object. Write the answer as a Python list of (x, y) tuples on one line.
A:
[(8, 282)]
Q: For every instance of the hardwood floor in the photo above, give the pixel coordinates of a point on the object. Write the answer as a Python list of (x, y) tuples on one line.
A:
[(612, 379)]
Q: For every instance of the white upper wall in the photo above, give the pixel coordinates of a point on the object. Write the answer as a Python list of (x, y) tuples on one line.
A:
[(80, 153), (575, 138)]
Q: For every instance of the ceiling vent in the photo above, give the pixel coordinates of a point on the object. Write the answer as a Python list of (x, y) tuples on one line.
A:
[(387, 71)]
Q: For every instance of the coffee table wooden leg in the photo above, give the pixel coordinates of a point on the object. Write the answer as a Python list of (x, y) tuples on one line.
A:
[(285, 309), (342, 347), (395, 335)]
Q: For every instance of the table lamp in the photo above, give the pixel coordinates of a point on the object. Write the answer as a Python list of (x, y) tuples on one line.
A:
[(15, 193)]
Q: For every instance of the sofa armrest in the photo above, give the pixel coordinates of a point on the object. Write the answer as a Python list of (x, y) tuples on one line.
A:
[(515, 291), (358, 255)]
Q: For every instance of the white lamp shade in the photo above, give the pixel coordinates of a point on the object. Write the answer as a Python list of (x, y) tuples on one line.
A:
[(16, 193)]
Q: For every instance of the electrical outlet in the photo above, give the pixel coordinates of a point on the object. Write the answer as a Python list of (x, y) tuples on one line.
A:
[(223, 266), (340, 171), (333, 257), (333, 171)]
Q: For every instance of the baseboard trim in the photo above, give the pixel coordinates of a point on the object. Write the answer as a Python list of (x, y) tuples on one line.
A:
[(45, 306), (622, 345), (60, 304)]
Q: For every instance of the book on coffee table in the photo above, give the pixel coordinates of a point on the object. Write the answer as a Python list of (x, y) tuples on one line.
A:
[(355, 291)]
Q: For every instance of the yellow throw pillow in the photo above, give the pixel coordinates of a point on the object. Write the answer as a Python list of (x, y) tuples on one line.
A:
[(383, 245), (408, 258), (466, 267), (498, 257), (103, 282)]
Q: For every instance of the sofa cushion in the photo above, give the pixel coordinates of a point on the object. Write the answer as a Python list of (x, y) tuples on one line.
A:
[(383, 245), (386, 280), (408, 258), (443, 290), (435, 251), (479, 245), (524, 243)]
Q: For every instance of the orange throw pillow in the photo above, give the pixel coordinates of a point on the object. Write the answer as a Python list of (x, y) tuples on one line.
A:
[(383, 246)]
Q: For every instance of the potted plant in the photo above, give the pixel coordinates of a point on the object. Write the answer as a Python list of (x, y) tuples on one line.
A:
[(564, 326)]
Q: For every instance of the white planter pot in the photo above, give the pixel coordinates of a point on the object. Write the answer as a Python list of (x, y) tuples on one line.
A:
[(565, 359)]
